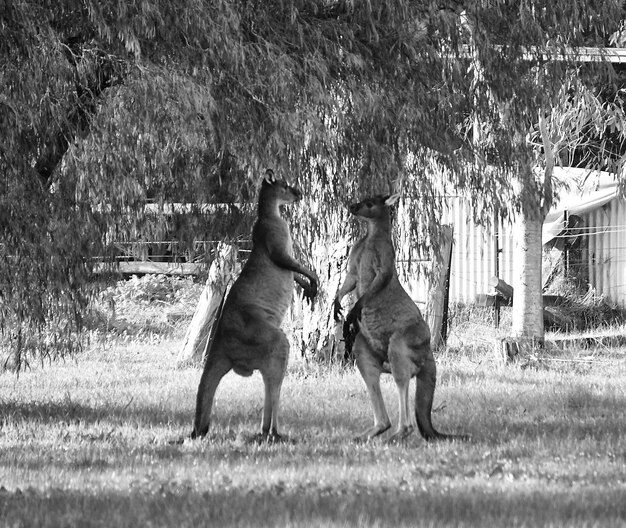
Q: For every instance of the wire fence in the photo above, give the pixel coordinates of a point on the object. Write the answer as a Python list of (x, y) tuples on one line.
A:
[(594, 250)]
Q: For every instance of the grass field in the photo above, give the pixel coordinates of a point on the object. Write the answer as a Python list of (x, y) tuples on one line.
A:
[(87, 443)]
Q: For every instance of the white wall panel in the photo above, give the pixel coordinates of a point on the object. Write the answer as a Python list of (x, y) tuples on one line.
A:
[(473, 253), (605, 232)]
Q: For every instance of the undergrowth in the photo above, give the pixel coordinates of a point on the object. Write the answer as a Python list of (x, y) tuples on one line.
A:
[(578, 310), (582, 307), (144, 309), (151, 308)]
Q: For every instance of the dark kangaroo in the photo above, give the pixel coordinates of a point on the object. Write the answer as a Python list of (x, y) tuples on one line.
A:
[(392, 335), (248, 335)]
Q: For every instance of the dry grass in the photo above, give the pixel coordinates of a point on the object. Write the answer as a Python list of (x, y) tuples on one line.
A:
[(86, 443)]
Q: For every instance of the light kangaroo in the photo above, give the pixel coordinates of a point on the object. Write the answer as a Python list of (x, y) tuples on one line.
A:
[(248, 335), (392, 335)]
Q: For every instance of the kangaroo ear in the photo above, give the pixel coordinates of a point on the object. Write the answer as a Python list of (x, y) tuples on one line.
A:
[(390, 200), (269, 176)]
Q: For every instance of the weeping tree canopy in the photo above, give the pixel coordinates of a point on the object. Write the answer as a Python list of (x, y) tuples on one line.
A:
[(105, 106), (531, 71)]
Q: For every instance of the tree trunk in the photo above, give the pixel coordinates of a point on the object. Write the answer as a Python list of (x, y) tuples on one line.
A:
[(437, 302), (221, 273), (322, 337), (527, 315)]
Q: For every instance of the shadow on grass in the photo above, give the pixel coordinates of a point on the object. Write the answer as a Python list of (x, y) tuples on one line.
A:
[(313, 504), (227, 424), (574, 413), (72, 412)]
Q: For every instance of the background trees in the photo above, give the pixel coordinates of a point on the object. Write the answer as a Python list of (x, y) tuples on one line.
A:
[(545, 103), (106, 105)]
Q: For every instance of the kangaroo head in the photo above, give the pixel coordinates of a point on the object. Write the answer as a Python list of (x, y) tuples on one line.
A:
[(278, 190), (373, 207)]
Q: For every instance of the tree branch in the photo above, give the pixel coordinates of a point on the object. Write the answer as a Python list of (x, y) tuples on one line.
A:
[(106, 73)]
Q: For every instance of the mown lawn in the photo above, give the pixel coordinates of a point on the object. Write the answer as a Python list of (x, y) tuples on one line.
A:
[(88, 443)]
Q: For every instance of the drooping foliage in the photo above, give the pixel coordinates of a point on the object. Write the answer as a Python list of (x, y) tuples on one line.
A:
[(530, 61), (105, 106)]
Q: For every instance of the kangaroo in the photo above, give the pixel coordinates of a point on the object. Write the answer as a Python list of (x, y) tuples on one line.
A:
[(392, 336), (248, 336)]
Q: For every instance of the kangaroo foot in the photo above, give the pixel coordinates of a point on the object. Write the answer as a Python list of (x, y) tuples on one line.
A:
[(372, 432), (401, 434), (275, 438)]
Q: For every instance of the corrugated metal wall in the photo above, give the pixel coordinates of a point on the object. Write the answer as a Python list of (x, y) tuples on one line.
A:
[(473, 253), (603, 257), (605, 234)]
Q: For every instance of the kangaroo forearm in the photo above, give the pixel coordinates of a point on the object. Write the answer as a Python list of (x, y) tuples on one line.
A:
[(309, 289), (287, 262), (348, 285), (308, 273), (380, 281), (301, 282)]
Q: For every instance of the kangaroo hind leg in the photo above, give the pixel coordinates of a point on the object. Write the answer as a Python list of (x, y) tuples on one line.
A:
[(273, 371), (403, 368), (424, 392), (214, 370), (370, 368)]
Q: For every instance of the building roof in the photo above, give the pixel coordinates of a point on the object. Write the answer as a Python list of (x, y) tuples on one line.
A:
[(577, 191)]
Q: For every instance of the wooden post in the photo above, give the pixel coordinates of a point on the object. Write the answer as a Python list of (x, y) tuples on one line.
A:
[(509, 350), (566, 244), (222, 271), (437, 308), (496, 262)]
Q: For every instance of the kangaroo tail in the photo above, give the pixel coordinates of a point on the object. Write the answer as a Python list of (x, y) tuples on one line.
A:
[(424, 392)]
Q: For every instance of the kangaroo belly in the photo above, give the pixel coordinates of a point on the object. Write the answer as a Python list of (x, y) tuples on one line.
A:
[(263, 290), (391, 310)]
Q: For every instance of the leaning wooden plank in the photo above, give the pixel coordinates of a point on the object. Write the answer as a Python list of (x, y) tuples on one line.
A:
[(207, 311)]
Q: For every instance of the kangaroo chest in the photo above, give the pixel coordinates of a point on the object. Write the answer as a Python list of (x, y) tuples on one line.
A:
[(374, 258), (262, 282), (384, 310)]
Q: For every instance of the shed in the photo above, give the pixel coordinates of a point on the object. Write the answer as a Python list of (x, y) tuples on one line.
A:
[(586, 227)]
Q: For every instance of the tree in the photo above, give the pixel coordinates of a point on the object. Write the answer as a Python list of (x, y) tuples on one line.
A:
[(581, 121), (107, 105), (542, 100)]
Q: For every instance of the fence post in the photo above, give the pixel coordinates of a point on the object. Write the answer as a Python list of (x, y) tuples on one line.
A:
[(437, 308)]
